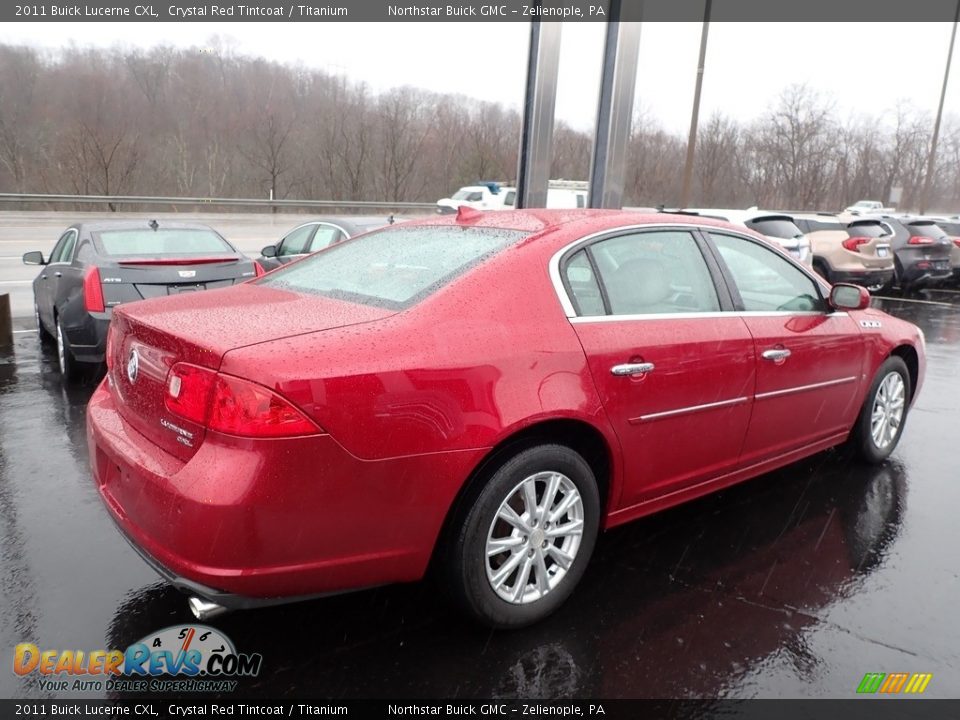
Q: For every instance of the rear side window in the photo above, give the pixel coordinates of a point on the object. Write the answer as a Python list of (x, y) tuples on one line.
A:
[(583, 286), (325, 235), (161, 242), (653, 273), (782, 228), (393, 268), (926, 229)]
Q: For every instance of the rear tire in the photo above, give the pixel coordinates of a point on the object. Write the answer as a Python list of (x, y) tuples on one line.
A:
[(880, 423), (69, 366), (521, 548)]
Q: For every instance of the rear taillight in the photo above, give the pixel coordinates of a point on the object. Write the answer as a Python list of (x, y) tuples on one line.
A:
[(188, 392), (232, 405), (920, 240), (92, 291), (110, 342), (854, 243), (956, 241), (259, 269)]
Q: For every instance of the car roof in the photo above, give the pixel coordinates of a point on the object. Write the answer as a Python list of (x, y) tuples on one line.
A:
[(582, 221)]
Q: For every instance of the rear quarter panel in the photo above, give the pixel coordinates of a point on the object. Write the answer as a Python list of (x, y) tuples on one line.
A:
[(484, 357)]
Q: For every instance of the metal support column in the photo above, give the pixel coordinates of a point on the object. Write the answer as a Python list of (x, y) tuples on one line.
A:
[(615, 111), (536, 137)]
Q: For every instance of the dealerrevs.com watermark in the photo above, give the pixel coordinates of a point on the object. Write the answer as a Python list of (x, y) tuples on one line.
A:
[(180, 658)]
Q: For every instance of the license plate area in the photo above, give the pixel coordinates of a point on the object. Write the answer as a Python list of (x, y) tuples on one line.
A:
[(883, 251), (178, 289)]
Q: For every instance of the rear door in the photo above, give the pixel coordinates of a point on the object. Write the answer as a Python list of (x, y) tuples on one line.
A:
[(809, 361), (674, 371)]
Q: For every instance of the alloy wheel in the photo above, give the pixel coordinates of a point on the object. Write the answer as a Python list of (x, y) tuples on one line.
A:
[(534, 537), (887, 412)]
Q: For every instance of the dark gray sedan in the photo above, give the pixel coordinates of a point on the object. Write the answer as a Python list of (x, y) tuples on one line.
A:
[(97, 265), (316, 235)]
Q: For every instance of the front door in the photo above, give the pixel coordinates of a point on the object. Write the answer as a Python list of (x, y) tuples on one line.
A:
[(809, 359)]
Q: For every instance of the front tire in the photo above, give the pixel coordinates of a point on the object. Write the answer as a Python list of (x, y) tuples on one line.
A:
[(69, 367), (880, 423), (524, 544)]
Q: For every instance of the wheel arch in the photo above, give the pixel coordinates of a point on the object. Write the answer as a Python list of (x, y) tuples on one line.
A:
[(579, 435), (911, 359)]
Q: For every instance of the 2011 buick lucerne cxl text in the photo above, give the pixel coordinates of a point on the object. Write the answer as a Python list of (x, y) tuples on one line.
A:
[(483, 392)]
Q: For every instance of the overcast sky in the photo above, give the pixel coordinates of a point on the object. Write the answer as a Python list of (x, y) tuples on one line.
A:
[(865, 68)]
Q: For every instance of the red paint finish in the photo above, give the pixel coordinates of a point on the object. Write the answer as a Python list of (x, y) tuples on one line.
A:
[(408, 403), (697, 362)]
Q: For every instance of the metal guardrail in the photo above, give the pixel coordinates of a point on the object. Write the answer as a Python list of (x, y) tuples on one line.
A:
[(249, 202)]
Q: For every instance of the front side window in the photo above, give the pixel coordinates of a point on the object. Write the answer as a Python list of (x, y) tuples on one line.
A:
[(393, 268), (63, 252), (644, 273), (767, 281), (296, 242)]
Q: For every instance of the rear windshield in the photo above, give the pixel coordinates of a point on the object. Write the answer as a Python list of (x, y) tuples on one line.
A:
[(170, 241), (393, 268), (951, 228), (782, 228), (867, 229), (926, 229)]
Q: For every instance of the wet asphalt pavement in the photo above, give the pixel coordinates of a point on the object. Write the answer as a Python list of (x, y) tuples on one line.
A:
[(795, 584)]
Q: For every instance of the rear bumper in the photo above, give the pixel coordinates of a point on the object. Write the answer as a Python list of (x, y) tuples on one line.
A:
[(919, 276), (251, 522), (87, 335), (866, 278)]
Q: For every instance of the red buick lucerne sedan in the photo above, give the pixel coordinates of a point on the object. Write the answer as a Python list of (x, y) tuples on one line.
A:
[(483, 392)]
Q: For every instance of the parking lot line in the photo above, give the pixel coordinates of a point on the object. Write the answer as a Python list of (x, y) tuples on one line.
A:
[(15, 282), (911, 300)]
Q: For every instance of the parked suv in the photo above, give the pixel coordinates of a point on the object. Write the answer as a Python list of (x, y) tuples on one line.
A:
[(856, 252), (951, 226), (777, 227), (921, 251)]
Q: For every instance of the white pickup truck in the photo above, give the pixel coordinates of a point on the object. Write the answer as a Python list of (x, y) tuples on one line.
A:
[(494, 196), (869, 207)]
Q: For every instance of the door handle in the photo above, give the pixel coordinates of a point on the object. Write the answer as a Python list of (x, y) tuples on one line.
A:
[(58, 274), (632, 368), (778, 355), (43, 277)]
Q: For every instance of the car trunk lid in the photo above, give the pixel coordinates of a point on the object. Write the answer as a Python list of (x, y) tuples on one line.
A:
[(148, 338), (143, 278)]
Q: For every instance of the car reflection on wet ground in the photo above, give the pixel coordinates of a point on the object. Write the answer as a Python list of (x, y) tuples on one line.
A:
[(795, 584)]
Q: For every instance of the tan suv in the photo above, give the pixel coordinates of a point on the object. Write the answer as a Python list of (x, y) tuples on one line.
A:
[(849, 249)]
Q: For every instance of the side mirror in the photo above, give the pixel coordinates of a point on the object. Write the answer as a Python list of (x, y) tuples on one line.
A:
[(849, 297), (269, 251), (35, 257)]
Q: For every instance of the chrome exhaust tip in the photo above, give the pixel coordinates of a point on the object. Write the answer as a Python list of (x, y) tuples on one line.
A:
[(204, 609)]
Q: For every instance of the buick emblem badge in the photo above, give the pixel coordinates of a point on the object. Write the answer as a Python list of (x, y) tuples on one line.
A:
[(133, 366)]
